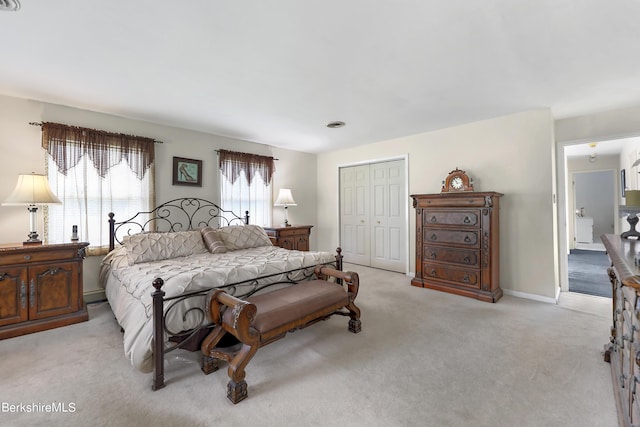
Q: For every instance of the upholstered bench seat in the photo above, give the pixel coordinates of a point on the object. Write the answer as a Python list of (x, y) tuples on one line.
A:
[(289, 305), (261, 319)]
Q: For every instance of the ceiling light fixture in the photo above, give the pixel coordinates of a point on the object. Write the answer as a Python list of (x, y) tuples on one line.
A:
[(335, 125), (10, 5)]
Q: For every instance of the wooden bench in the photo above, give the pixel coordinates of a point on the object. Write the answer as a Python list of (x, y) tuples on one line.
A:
[(262, 319)]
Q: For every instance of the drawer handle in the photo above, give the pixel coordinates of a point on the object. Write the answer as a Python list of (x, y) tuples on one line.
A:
[(467, 239), (27, 257), (465, 279), (467, 220), (434, 219), (434, 237), (433, 272), (467, 259), (433, 255)]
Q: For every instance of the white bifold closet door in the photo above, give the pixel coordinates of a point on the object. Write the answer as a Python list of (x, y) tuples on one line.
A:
[(373, 220)]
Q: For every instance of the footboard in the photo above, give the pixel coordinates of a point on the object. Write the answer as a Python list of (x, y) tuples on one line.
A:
[(190, 340)]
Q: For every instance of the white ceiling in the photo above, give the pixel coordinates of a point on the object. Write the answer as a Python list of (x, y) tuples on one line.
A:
[(276, 72), (599, 148)]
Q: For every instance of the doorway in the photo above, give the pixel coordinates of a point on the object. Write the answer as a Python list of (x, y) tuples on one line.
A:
[(587, 175), (594, 198), (373, 214)]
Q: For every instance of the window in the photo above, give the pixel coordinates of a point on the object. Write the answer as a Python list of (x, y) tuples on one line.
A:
[(245, 185), (94, 173)]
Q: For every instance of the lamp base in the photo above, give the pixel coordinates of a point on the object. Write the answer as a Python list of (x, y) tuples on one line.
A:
[(33, 239)]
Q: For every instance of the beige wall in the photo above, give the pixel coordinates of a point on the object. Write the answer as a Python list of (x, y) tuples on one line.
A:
[(511, 155), (21, 153)]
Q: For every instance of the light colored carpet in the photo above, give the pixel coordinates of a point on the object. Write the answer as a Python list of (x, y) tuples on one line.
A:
[(423, 358)]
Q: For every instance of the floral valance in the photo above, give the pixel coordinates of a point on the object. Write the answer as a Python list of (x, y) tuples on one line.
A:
[(233, 163), (67, 144)]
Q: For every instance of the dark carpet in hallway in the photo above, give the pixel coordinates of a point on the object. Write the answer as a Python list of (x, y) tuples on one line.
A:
[(588, 272)]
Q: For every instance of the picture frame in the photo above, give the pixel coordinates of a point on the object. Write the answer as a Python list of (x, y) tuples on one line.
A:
[(623, 181), (187, 172)]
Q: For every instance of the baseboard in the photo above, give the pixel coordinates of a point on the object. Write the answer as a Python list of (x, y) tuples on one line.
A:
[(94, 296), (534, 297)]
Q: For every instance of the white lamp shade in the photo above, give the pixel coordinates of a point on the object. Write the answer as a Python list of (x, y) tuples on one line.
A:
[(285, 198), (32, 189)]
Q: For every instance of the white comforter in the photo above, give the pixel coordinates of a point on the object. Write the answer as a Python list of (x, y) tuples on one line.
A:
[(129, 288)]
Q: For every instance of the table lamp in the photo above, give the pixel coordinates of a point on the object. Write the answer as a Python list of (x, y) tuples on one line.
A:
[(285, 198), (32, 190)]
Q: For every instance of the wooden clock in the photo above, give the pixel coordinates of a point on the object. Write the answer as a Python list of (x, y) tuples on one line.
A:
[(457, 181)]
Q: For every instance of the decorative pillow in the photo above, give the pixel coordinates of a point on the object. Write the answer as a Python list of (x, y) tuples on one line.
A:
[(244, 237), (212, 240), (145, 247)]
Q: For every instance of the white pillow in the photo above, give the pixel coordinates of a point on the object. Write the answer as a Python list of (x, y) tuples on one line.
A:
[(145, 247), (244, 237)]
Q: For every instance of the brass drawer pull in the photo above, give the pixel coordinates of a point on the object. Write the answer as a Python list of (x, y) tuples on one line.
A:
[(433, 255), (434, 219), (434, 237), (467, 220), (467, 239), (433, 272), (466, 259), (465, 279)]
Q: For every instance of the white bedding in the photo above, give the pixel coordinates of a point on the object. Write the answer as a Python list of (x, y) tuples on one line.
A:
[(128, 287)]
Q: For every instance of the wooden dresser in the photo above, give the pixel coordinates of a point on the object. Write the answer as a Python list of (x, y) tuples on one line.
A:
[(623, 349), (40, 287), (294, 237), (458, 243)]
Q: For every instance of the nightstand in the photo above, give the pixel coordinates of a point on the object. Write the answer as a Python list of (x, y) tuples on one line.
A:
[(40, 287), (293, 237)]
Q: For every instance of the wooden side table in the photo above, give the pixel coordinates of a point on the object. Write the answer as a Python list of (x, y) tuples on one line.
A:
[(293, 237), (40, 287)]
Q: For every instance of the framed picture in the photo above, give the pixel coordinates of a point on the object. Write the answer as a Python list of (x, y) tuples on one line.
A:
[(187, 172), (623, 181)]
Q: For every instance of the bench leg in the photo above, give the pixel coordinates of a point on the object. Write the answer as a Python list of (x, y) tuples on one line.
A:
[(237, 387), (237, 391), (209, 364), (355, 325)]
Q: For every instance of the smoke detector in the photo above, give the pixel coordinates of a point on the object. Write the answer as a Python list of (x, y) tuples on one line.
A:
[(10, 5)]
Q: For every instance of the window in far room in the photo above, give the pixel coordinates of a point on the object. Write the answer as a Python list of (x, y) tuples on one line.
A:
[(93, 173), (245, 185)]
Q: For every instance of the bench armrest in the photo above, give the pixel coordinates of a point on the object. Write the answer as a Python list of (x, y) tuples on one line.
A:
[(242, 314), (350, 278)]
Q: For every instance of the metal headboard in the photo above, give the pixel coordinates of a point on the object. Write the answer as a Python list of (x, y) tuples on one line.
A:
[(182, 214)]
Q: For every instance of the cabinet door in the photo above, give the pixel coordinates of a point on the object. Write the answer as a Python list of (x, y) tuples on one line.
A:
[(302, 243), (13, 296), (53, 290), (287, 243)]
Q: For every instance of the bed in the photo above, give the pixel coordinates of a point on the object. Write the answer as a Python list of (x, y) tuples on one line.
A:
[(163, 263)]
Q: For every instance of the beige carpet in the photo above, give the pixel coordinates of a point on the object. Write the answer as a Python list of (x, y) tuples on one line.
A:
[(423, 358)]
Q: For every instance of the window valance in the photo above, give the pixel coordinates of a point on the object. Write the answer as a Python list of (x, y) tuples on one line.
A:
[(67, 144), (233, 163)]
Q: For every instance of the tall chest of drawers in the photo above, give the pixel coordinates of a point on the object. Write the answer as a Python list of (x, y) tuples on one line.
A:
[(458, 243)]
